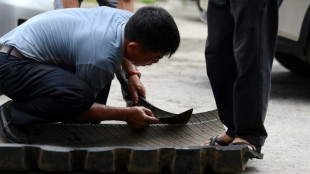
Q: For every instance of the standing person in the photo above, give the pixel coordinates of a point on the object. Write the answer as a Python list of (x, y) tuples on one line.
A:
[(239, 53), (120, 4), (58, 65)]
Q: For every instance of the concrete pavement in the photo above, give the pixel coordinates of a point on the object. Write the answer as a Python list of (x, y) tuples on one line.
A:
[(180, 83)]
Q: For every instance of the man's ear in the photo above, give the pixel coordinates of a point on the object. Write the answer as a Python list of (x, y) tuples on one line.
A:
[(133, 47)]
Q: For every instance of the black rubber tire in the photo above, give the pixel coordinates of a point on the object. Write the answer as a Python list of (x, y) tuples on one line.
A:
[(293, 63)]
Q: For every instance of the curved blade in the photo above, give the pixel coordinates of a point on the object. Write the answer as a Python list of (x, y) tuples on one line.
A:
[(163, 116), (181, 118)]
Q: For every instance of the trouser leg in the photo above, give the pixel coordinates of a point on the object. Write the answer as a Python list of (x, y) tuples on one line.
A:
[(109, 3), (240, 75), (102, 96), (256, 25), (219, 55), (43, 93)]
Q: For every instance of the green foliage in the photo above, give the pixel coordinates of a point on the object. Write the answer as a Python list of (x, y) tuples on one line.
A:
[(90, 1)]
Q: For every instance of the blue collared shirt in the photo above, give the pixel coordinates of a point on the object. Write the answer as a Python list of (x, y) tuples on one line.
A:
[(87, 42)]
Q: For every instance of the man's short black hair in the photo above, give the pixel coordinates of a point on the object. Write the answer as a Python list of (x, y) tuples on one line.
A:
[(155, 28)]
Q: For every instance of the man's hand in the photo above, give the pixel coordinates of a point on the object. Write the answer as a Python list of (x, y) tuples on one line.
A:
[(135, 87), (140, 117)]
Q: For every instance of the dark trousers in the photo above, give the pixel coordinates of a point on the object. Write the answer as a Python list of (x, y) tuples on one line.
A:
[(44, 93), (239, 54), (111, 3)]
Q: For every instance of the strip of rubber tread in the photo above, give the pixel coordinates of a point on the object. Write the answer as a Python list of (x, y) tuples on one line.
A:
[(194, 133), (176, 159), (116, 148)]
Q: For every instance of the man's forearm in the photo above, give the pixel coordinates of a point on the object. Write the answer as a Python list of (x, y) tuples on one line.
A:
[(136, 117), (100, 112), (128, 66)]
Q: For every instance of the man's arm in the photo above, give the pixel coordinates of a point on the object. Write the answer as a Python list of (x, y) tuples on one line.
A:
[(135, 86), (136, 117)]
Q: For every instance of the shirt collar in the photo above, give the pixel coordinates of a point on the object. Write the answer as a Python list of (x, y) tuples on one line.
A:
[(123, 35)]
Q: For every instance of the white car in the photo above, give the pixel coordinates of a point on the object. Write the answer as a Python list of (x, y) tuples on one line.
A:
[(15, 12), (293, 46)]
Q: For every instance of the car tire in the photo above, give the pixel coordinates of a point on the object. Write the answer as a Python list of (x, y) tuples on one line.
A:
[(293, 63)]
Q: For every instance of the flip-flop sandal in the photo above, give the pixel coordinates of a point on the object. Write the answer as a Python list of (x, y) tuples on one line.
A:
[(215, 139), (255, 153)]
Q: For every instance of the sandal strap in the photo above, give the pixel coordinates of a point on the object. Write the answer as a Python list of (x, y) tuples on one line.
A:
[(215, 139), (244, 143)]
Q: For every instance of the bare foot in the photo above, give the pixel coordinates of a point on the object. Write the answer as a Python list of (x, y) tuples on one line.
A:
[(224, 137), (239, 140)]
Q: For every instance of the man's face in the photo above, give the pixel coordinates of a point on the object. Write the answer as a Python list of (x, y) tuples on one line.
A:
[(145, 58), (141, 57)]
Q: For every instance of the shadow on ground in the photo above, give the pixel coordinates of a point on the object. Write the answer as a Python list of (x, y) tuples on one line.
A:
[(289, 85)]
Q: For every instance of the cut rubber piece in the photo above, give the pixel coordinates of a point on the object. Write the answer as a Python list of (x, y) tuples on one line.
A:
[(199, 128), (163, 116)]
